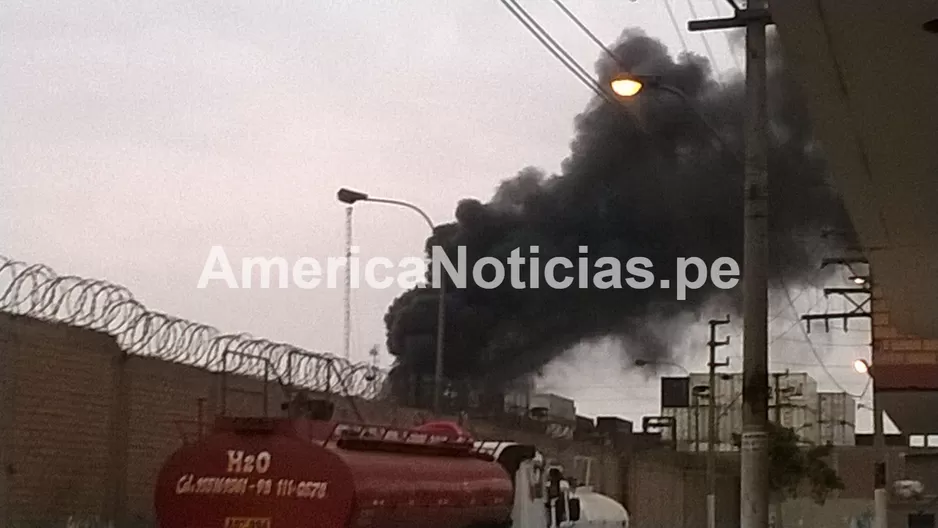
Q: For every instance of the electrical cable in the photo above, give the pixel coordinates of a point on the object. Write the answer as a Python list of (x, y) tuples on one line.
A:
[(729, 43), (817, 356), (555, 49), (797, 322), (706, 43), (569, 62), (674, 24), (586, 30)]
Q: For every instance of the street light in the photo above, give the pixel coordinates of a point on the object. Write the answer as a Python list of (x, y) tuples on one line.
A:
[(629, 85), (861, 366), (647, 362), (626, 86), (755, 287), (350, 197), (697, 392), (879, 444)]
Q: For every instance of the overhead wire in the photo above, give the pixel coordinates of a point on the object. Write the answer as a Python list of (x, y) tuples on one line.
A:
[(706, 42), (555, 48), (558, 51), (582, 26), (675, 25), (729, 43), (817, 356)]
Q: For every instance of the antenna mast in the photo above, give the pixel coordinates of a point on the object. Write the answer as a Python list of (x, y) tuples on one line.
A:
[(348, 281)]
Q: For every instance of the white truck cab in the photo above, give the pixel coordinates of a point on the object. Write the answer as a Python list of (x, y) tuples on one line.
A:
[(543, 496)]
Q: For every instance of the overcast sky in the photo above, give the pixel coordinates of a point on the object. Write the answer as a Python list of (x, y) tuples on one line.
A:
[(139, 134)]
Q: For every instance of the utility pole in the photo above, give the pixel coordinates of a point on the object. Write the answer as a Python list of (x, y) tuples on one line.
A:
[(880, 498), (754, 458), (777, 378), (713, 344), (861, 297)]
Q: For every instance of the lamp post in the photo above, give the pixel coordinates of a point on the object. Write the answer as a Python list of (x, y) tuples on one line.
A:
[(630, 85), (700, 391), (880, 498), (647, 362), (754, 461), (350, 197), (754, 449)]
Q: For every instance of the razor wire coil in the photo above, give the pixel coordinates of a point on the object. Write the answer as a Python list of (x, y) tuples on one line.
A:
[(35, 290)]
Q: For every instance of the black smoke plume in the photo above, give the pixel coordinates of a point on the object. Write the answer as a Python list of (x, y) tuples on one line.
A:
[(644, 178)]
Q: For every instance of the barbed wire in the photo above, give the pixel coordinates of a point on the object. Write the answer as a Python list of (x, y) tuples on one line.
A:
[(35, 290)]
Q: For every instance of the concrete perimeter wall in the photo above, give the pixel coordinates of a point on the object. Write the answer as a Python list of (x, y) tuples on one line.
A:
[(84, 428)]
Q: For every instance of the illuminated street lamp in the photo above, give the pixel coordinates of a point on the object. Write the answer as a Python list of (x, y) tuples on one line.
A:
[(348, 196), (626, 86), (880, 505), (630, 85), (861, 366)]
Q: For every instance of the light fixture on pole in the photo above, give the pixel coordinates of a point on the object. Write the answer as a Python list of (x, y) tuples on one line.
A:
[(880, 497), (629, 84), (646, 362), (350, 197), (754, 452), (861, 366), (626, 86)]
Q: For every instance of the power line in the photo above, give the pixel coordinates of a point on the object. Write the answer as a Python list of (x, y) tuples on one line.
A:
[(703, 37), (797, 322), (585, 29), (555, 49), (569, 62), (828, 345), (729, 43), (815, 352), (677, 27)]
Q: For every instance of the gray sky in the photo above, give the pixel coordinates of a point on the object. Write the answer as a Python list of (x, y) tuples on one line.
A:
[(138, 134)]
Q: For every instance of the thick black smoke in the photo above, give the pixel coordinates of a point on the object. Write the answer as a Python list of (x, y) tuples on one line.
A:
[(644, 180)]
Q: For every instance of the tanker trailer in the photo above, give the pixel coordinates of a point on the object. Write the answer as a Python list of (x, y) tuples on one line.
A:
[(302, 473)]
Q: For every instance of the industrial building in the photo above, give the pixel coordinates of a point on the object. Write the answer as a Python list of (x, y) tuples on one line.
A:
[(794, 401)]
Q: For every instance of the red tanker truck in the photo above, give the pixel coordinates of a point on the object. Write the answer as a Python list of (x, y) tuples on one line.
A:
[(313, 473)]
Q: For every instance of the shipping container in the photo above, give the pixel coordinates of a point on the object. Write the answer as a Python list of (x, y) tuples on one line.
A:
[(838, 418), (554, 406), (585, 425), (686, 419), (817, 417), (517, 402), (613, 425), (679, 435)]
